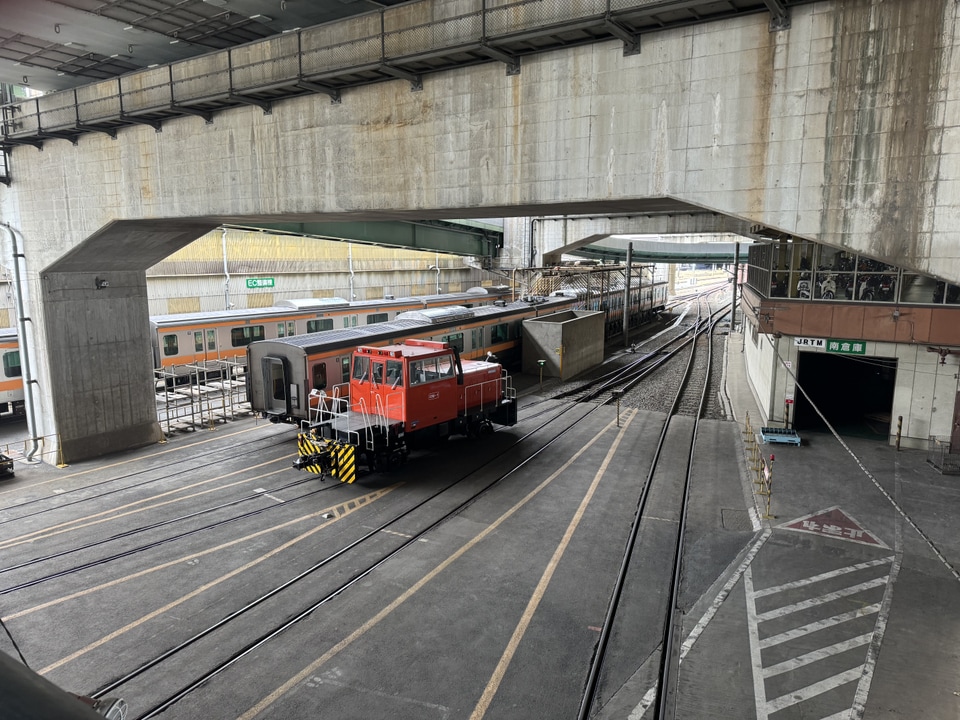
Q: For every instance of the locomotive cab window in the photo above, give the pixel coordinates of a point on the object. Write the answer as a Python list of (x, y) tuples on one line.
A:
[(242, 336), (445, 366), (394, 373), (170, 345), (377, 373), (11, 364), (361, 368)]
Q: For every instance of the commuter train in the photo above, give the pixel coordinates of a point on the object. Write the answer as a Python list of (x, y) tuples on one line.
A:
[(11, 382), (292, 379), (192, 340)]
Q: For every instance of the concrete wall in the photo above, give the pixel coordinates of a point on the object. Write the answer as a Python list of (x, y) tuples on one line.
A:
[(842, 129), (569, 342)]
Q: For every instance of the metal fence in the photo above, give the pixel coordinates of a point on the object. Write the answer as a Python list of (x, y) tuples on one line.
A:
[(939, 455)]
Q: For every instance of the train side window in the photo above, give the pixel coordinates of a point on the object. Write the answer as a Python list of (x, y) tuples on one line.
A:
[(243, 336), (198, 341), (378, 373), (319, 325), (319, 376), (499, 333), (430, 372), (377, 318), (455, 340), (361, 368), (445, 366), (349, 321), (211, 339), (394, 373), (345, 368), (416, 372), (281, 330), (291, 328), (11, 364), (170, 345), (476, 338)]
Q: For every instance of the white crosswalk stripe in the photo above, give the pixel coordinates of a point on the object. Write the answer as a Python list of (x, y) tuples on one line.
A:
[(767, 669)]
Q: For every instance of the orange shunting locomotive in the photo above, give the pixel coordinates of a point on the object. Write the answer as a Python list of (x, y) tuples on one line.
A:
[(400, 395)]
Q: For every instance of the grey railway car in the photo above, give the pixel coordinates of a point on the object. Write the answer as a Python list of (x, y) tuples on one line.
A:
[(288, 376)]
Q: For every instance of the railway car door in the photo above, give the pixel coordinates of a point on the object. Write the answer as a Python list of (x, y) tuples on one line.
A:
[(276, 400)]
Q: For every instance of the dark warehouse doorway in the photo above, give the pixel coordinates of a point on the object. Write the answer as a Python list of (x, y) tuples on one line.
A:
[(854, 393)]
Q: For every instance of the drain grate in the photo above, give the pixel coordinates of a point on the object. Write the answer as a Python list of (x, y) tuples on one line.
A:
[(735, 519)]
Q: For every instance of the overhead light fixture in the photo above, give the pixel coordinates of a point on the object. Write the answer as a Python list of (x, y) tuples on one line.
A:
[(261, 18), (174, 42), (74, 44)]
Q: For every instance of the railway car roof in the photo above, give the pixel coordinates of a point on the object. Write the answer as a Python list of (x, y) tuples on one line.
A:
[(402, 326)]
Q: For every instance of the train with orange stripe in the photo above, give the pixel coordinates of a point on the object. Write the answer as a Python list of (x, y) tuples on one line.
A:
[(185, 342), (291, 379), (11, 380)]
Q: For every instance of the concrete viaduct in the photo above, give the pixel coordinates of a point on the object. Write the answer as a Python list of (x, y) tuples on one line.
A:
[(842, 127)]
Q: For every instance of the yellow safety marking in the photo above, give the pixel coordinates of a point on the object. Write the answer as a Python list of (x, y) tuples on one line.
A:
[(500, 671), (61, 478), (416, 587), (111, 515), (346, 463), (339, 511)]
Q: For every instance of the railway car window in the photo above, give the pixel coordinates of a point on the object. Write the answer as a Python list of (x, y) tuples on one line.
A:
[(319, 325), (349, 321), (394, 373), (361, 368), (377, 318), (211, 339), (281, 330), (499, 333), (242, 336), (198, 341), (11, 364), (455, 340), (476, 338), (445, 366), (170, 345), (417, 374), (378, 373), (345, 368), (319, 376)]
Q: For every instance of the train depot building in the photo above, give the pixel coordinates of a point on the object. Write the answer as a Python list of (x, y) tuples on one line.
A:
[(839, 338)]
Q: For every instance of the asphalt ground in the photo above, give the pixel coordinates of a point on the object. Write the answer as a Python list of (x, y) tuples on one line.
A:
[(843, 605)]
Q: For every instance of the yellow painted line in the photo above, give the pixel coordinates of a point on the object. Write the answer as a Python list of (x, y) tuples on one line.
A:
[(114, 513), (61, 478), (340, 510), (501, 670), (376, 619)]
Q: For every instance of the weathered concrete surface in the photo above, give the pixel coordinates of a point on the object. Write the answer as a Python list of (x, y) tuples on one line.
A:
[(842, 129)]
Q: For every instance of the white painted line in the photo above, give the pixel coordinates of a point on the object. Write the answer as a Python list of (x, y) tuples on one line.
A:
[(819, 625), (824, 576), (798, 696), (863, 688), (842, 715), (647, 700), (263, 491), (822, 599), (756, 662), (820, 654)]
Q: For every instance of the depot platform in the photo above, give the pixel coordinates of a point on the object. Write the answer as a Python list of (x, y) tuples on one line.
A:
[(844, 604)]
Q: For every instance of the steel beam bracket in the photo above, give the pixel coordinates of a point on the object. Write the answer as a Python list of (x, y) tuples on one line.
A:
[(205, 114), (779, 15), (155, 124), (511, 61), (333, 92), (246, 100), (415, 80), (631, 41)]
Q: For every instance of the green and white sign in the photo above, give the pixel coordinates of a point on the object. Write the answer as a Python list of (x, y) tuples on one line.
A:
[(847, 347), (259, 283)]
